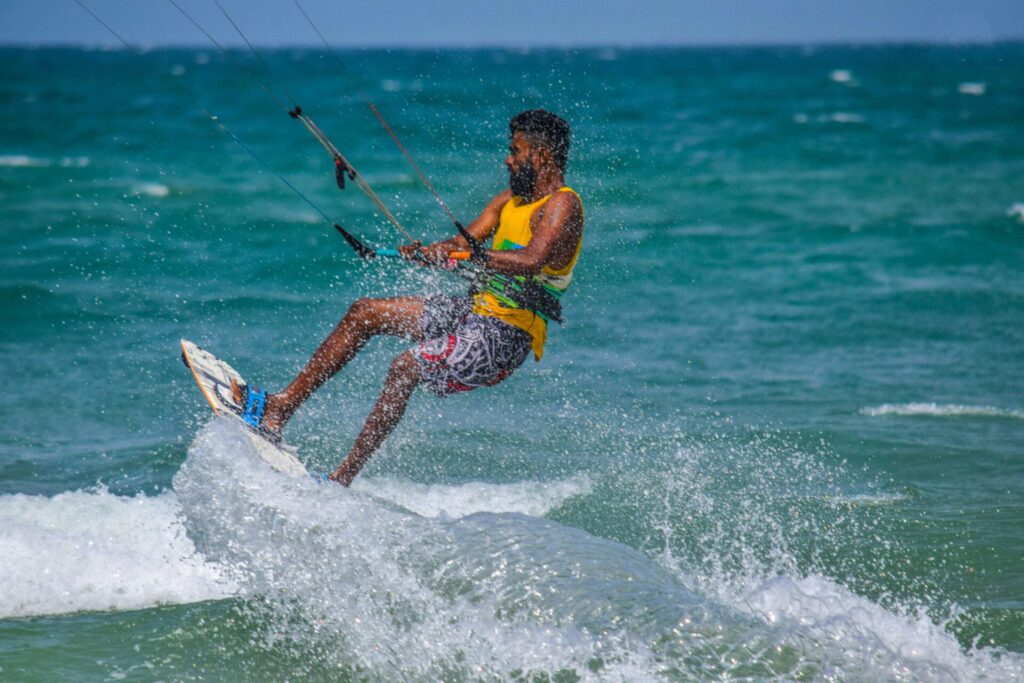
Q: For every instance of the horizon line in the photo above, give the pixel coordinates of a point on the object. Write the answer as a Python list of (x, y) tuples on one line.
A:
[(112, 46)]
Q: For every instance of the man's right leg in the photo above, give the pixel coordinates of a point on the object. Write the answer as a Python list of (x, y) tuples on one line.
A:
[(399, 316)]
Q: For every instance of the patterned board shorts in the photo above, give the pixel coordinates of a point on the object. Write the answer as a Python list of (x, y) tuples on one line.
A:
[(463, 350)]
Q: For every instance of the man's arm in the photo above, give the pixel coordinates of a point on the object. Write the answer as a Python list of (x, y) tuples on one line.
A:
[(554, 240), (481, 228)]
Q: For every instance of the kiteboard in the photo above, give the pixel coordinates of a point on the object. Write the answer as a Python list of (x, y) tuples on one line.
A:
[(214, 379)]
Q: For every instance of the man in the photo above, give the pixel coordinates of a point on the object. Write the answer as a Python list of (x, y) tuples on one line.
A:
[(465, 342)]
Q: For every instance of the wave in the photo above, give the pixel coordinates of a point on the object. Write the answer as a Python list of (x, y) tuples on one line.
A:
[(120, 553), (21, 161), (845, 117), (354, 580), (871, 498), (894, 644), (418, 581), (802, 118), (360, 582), (151, 190), (25, 161), (93, 551), (434, 500), (74, 162), (940, 410)]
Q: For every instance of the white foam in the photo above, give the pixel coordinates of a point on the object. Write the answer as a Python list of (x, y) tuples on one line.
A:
[(845, 117), (151, 190), (748, 559), (1016, 211), (74, 162), (940, 410), (841, 76), (433, 500), (407, 597), (890, 646), (871, 498), (25, 161), (22, 160), (391, 85), (976, 89), (88, 551)]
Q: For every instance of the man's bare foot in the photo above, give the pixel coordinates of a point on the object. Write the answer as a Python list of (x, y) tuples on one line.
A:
[(272, 421)]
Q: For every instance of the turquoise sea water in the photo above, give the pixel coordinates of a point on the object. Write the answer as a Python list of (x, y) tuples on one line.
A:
[(779, 436)]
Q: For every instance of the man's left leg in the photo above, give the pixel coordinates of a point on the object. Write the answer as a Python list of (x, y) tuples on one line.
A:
[(478, 352), (402, 378)]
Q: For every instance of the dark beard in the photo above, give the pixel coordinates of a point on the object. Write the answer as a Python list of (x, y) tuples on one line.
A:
[(522, 181)]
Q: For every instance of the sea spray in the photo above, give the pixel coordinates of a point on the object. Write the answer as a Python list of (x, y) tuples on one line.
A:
[(346, 579), (780, 529), (357, 582)]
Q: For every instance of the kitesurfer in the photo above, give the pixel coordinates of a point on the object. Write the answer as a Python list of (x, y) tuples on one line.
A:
[(536, 231)]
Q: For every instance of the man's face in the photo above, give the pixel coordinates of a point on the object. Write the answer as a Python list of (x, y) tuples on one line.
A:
[(522, 172)]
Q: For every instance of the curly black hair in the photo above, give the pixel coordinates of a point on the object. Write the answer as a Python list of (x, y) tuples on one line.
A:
[(546, 130)]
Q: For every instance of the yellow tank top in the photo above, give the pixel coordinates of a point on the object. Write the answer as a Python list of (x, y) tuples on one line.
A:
[(515, 232)]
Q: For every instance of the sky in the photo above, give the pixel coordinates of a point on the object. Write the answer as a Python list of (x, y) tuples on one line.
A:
[(518, 23)]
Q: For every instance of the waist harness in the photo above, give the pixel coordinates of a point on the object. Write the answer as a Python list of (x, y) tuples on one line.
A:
[(518, 291)]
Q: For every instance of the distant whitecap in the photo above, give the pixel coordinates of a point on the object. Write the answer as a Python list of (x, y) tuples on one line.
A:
[(871, 499), (1016, 211), (971, 88), (940, 410), (800, 118), (151, 190), (22, 160), (841, 76), (178, 70), (391, 85), (74, 162), (845, 117)]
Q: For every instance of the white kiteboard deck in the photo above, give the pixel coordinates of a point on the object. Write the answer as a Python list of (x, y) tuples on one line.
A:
[(214, 378)]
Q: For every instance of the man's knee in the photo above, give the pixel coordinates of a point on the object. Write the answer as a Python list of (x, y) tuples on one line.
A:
[(366, 313), (399, 316)]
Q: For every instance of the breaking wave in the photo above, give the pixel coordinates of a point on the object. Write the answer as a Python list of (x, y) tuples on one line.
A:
[(940, 410), (360, 583)]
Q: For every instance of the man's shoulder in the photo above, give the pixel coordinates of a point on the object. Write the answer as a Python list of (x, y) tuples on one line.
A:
[(567, 198)]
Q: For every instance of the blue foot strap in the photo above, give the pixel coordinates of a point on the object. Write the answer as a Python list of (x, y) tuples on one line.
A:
[(254, 406)]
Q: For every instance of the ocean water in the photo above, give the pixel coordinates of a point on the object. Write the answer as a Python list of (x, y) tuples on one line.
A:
[(780, 436)]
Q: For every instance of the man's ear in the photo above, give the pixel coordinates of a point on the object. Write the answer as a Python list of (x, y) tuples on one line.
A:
[(545, 156)]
